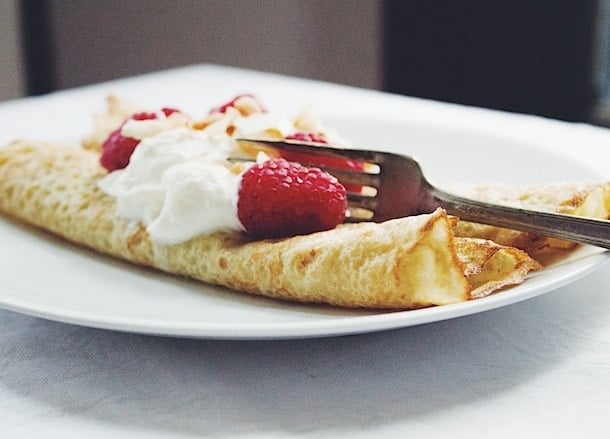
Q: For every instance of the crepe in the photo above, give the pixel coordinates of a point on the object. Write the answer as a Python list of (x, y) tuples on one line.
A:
[(588, 199), (400, 264)]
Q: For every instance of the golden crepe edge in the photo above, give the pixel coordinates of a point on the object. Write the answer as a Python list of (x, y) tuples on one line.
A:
[(407, 263)]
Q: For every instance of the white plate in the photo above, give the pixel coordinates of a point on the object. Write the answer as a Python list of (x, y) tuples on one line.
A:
[(43, 276)]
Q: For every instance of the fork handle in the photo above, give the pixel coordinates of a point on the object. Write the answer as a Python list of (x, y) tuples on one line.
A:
[(567, 227)]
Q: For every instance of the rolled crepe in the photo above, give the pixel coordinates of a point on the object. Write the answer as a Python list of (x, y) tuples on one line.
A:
[(406, 263)]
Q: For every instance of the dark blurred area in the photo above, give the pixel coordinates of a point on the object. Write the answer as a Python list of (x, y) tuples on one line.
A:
[(543, 57), (527, 56)]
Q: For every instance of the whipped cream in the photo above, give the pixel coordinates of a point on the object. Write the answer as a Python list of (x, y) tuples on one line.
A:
[(178, 182)]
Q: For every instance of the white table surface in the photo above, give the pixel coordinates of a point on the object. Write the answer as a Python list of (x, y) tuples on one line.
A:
[(539, 367)]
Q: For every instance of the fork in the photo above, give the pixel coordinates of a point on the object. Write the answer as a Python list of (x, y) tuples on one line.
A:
[(394, 186)]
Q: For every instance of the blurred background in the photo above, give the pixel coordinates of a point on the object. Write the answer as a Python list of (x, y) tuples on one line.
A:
[(544, 57)]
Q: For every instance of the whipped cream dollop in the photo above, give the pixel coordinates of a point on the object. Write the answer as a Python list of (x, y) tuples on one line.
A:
[(178, 182)]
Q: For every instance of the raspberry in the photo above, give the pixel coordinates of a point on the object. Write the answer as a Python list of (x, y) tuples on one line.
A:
[(325, 161), (148, 115), (279, 198), (117, 149), (307, 137)]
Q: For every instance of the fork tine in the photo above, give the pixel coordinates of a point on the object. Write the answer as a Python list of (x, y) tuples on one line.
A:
[(362, 201), (357, 217), (358, 178), (374, 157), (346, 176)]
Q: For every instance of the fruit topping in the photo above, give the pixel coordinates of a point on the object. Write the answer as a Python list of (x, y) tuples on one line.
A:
[(307, 137), (323, 161), (117, 149), (278, 198), (149, 116)]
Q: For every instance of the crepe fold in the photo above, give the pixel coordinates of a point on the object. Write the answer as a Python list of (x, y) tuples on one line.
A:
[(400, 264)]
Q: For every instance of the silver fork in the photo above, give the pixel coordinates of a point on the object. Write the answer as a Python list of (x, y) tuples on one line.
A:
[(394, 186)]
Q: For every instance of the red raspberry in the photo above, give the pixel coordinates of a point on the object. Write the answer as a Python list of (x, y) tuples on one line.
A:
[(279, 198), (148, 115), (327, 162), (117, 149), (307, 137)]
